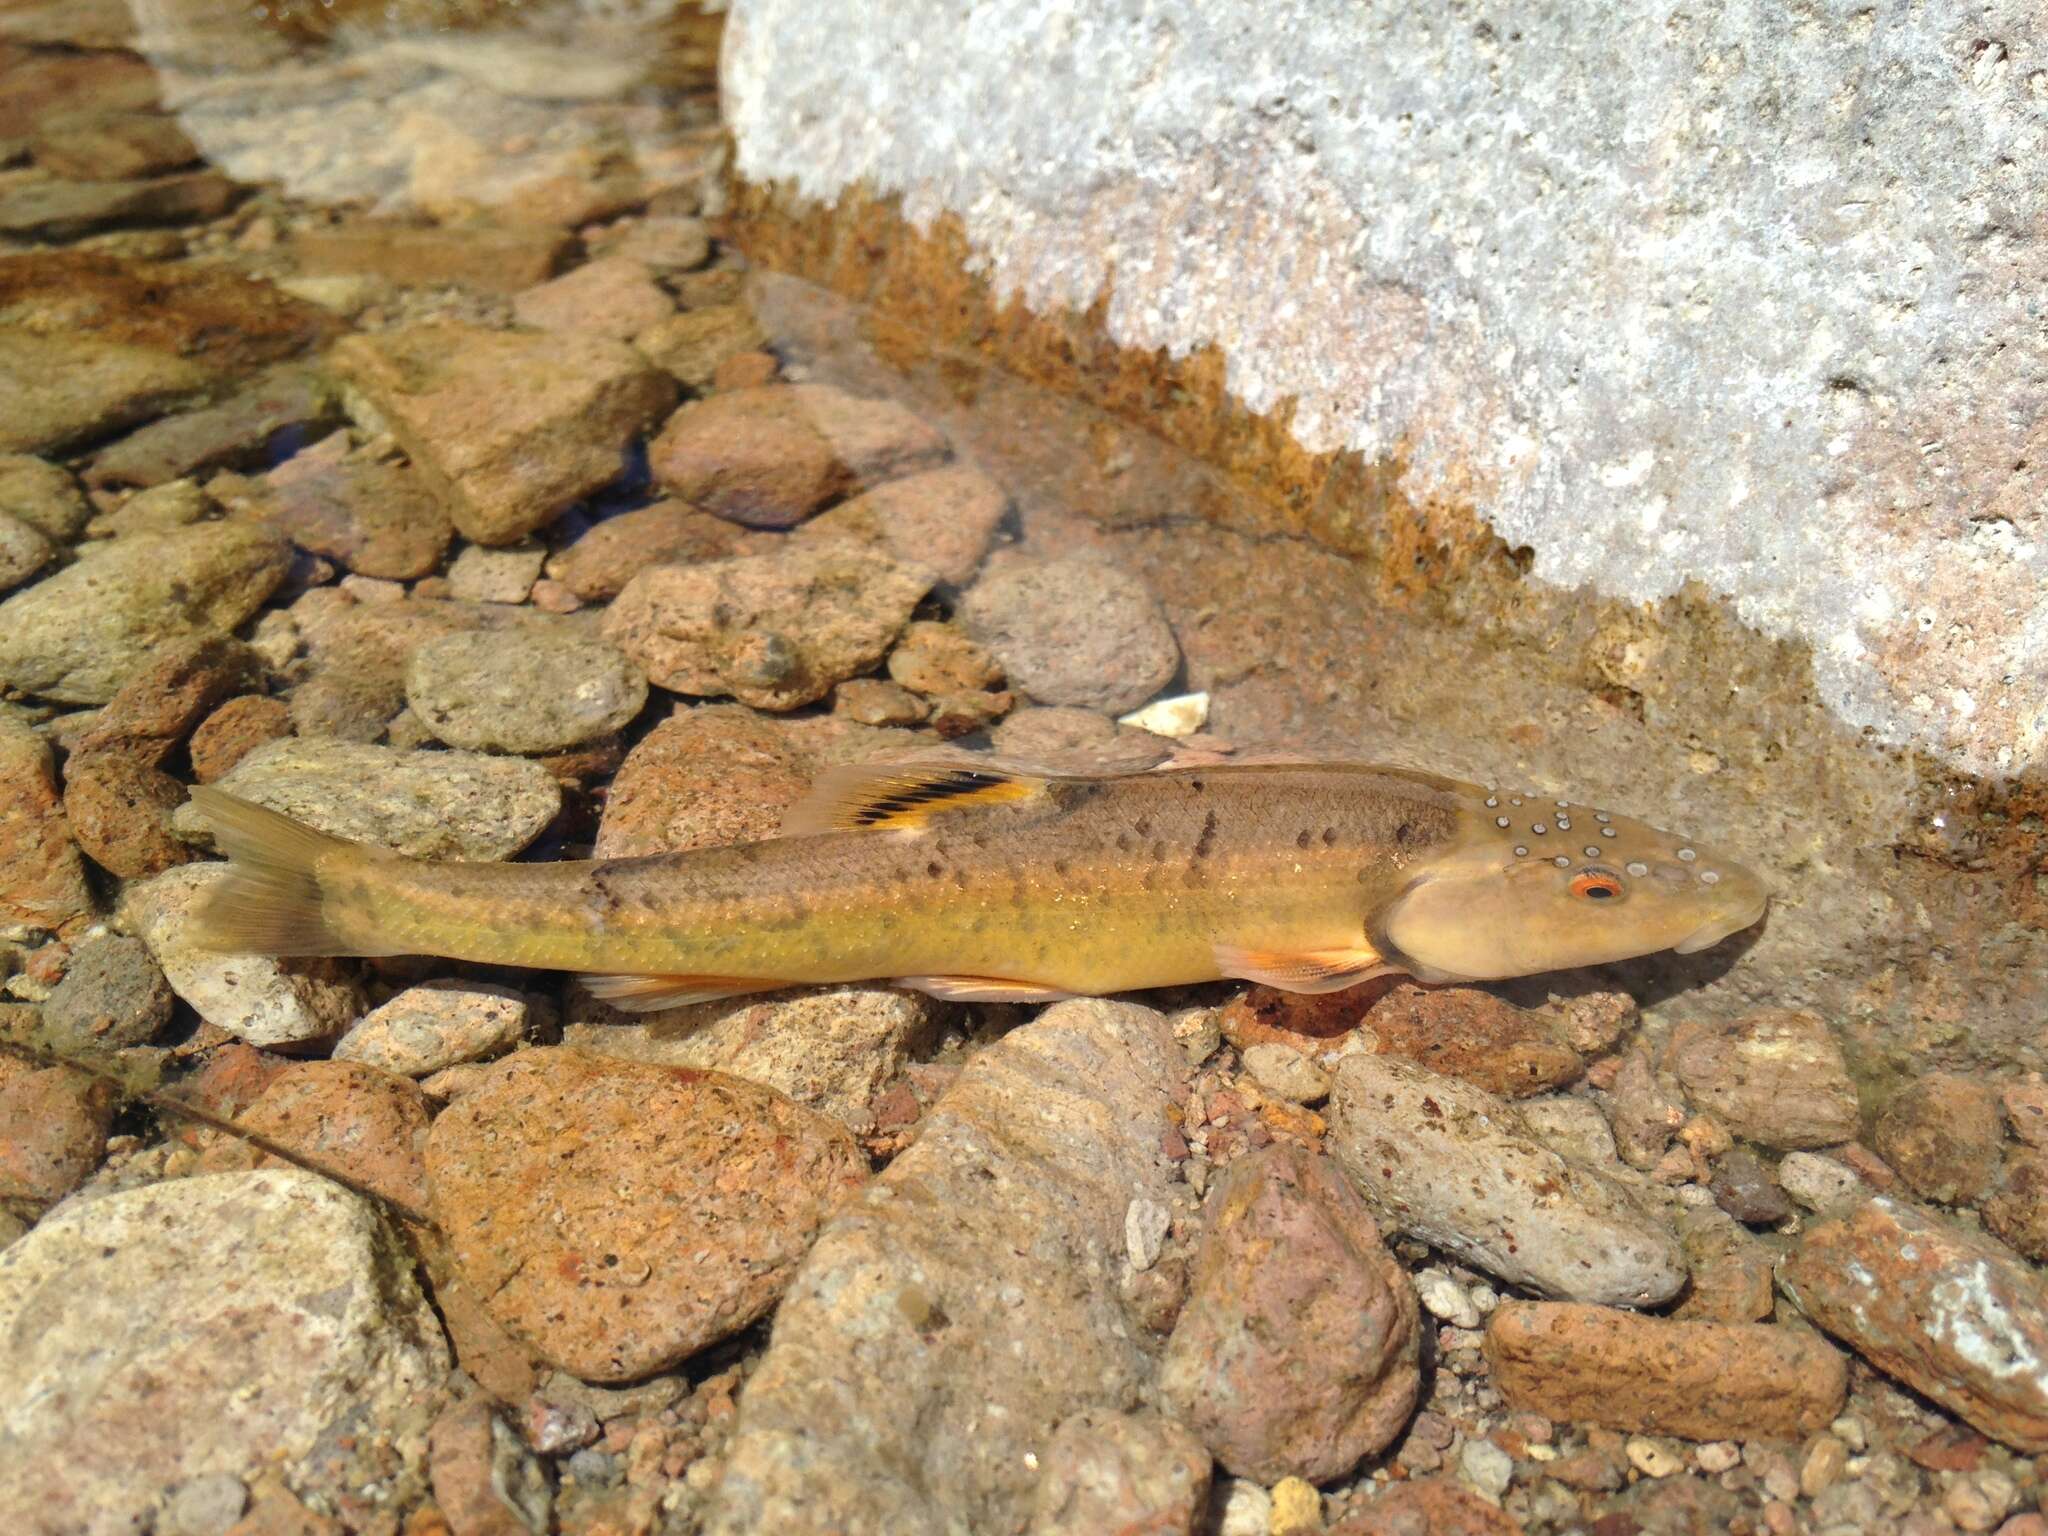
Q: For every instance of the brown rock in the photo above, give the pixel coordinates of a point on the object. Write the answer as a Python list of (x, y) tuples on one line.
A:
[(774, 631), (1592, 1022), (234, 730), (703, 777), (510, 428), (600, 563), (1296, 1352), (112, 995), (494, 259), (247, 428), (375, 517), (63, 391), (2019, 1211), (485, 1481), (43, 496), (1942, 1136), (1643, 1117), (53, 1129), (1464, 1032), (746, 370), (2025, 1101), (1952, 1314), (936, 659), (944, 518), (773, 456), (1428, 1506), (120, 812), (621, 1217), (870, 701), (1303, 1019), (1775, 1077), (42, 881), (667, 244), (157, 708), (693, 346), (1748, 1190), (100, 145), (24, 550), (613, 296), (1731, 1271), (1125, 1472), (217, 321), (1086, 741), (66, 210), (1650, 1375), (368, 1128)]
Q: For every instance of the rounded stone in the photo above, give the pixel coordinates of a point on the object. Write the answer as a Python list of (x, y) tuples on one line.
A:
[(113, 995), (527, 693), (621, 1216), (275, 1310), (1074, 632)]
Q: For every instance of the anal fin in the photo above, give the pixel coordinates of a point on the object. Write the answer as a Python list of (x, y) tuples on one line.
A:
[(982, 989), (1308, 970), (646, 994)]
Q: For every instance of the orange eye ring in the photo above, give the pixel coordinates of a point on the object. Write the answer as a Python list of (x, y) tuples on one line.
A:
[(1598, 885)]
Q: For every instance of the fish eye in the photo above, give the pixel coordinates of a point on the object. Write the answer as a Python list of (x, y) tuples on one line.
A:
[(1597, 884)]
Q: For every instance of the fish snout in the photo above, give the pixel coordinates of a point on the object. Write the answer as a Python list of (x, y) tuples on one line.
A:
[(1743, 901)]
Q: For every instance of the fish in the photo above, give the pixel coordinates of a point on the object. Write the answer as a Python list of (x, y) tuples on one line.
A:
[(983, 880)]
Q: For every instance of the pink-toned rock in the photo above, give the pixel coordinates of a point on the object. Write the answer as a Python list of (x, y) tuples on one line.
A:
[(1464, 1032), (693, 346), (1643, 1116), (1073, 632), (120, 812), (1127, 1472), (42, 880), (53, 1129), (703, 777), (235, 730), (1296, 1353), (746, 370), (600, 563), (772, 457), (1428, 1506), (510, 428), (775, 631), (158, 708), (613, 296), (620, 1217), (944, 518), (1942, 1135), (2026, 1108), (485, 1482), (1775, 1077), (1952, 1314), (667, 244), (376, 517), (366, 1126)]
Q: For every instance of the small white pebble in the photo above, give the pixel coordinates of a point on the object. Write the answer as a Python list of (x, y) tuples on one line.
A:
[(1145, 1226), (1817, 1182), (1445, 1299), (1718, 1456), (1653, 1458), (1979, 1500), (1247, 1510), (1182, 715), (1487, 1467)]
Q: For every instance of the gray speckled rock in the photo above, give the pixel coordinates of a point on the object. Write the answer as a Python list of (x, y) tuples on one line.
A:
[(430, 805), (253, 997), (434, 1025), (77, 635), (832, 1048), (113, 995), (986, 1254), (1074, 632), (205, 1326), (1460, 1168), (522, 692), (43, 496), (24, 550)]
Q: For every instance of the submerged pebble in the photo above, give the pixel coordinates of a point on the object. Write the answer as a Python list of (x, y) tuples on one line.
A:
[(1074, 632), (434, 1025), (530, 693)]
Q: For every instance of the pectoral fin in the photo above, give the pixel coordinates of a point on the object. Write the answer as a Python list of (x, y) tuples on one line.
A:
[(1309, 970), (646, 994), (982, 989), (905, 796)]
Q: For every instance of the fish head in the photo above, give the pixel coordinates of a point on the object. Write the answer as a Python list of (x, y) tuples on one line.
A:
[(1530, 885)]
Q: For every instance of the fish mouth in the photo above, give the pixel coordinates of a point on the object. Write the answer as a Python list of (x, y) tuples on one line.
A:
[(1707, 935)]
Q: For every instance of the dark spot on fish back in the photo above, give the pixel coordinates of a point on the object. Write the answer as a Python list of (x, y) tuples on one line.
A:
[(935, 869), (1302, 839), (1329, 837), (1207, 840), (1405, 833), (1142, 826), (1123, 842)]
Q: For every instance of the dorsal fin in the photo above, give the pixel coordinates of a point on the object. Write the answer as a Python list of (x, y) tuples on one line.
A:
[(905, 796)]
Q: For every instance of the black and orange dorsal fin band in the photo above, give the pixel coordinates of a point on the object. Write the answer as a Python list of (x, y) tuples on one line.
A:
[(906, 796)]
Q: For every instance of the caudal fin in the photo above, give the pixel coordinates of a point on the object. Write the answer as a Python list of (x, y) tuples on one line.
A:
[(271, 902)]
